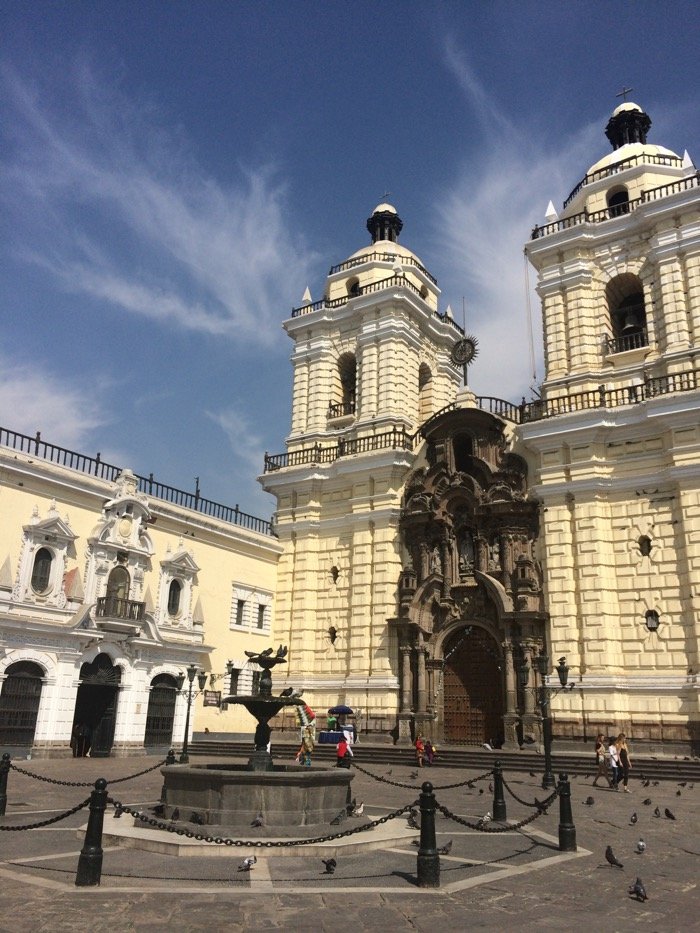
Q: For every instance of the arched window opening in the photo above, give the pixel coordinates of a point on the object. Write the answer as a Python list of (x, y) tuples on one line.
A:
[(174, 593), (41, 572), (347, 379), (161, 712), (625, 296), (425, 392), (463, 447), (118, 586), (618, 201), (353, 287)]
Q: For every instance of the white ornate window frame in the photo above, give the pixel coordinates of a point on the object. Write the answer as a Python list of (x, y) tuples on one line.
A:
[(179, 566), (56, 535)]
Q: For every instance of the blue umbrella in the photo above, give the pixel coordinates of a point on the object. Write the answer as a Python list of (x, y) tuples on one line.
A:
[(341, 711)]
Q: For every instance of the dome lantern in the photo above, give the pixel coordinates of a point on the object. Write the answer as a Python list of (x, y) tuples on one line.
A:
[(628, 124), (385, 223)]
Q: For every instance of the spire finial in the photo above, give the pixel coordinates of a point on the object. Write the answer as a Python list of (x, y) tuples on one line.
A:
[(624, 92)]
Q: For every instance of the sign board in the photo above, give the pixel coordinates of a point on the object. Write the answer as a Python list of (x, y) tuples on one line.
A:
[(212, 697)]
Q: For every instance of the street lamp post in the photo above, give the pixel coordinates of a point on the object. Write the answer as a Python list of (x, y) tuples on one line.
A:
[(544, 696), (192, 672)]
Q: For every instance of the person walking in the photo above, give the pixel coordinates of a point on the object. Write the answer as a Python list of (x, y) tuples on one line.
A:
[(600, 761), (420, 750), (614, 763), (624, 763)]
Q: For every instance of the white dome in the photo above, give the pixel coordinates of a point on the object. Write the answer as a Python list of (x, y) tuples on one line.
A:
[(385, 209), (628, 105)]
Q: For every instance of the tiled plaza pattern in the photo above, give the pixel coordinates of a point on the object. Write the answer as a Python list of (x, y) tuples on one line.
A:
[(513, 880)]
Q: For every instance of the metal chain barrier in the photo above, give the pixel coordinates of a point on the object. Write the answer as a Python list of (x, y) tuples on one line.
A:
[(119, 808), (383, 780), (48, 780), (488, 828), (54, 819), (540, 804)]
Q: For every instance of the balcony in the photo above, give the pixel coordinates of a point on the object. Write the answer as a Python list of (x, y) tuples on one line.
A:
[(122, 616), (341, 409), (633, 341)]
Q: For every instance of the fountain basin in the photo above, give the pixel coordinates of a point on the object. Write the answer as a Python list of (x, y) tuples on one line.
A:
[(229, 796)]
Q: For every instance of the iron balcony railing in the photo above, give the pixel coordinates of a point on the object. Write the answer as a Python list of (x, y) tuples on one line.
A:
[(95, 466), (115, 607), (601, 397), (620, 167), (616, 210), (394, 281), (381, 257), (339, 409), (625, 342)]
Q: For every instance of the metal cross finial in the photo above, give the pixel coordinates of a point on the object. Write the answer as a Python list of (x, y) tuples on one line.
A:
[(624, 92), (386, 195)]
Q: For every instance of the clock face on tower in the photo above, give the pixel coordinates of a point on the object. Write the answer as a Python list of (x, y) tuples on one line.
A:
[(464, 351)]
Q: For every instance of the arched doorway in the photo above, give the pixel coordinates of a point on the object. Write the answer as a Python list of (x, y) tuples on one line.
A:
[(96, 706), (161, 712), (19, 704), (472, 688)]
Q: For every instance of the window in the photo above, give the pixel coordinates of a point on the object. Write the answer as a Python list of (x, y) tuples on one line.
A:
[(353, 287), (261, 616), (618, 202), (625, 296), (174, 594), (41, 572), (233, 682), (425, 395), (463, 446), (240, 611)]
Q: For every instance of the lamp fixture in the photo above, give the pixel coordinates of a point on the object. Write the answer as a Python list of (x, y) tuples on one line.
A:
[(651, 620)]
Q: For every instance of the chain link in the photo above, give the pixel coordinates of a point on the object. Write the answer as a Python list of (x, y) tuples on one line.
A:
[(48, 780), (54, 819), (119, 808), (487, 827), (378, 777), (541, 804)]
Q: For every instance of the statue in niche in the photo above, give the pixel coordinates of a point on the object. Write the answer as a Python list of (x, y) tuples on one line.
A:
[(466, 553), (435, 566), (494, 556)]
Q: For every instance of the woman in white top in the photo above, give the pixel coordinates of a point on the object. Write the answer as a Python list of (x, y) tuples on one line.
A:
[(614, 763)]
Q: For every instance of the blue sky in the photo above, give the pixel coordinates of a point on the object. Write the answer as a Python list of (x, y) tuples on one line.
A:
[(173, 175)]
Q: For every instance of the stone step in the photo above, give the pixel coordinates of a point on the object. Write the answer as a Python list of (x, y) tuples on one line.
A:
[(656, 768)]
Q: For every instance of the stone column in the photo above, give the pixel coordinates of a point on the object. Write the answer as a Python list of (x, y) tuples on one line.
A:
[(446, 568), (530, 717), (420, 670), (510, 718), (405, 714)]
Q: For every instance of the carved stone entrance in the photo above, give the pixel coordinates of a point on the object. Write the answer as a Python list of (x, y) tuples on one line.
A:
[(473, 689), (96, 705)]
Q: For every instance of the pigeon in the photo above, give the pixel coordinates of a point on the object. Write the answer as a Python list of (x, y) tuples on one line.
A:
[(247, 863), (486, 818), (470, 785), (647, 802), (337, 820), (330, 864), (287, 692), (589, 801), (638, 890), (196, 819), (490, 787), (175, 815), (682, 783), (668, 814), (532, 774), (281, 652), (358, 810), (413, 775), (159, 809), (446, 849), (646, 783), (678, 793), (657, 812), (412, 822), (610, 858), (633, 819), (641, 847), (258, 821)]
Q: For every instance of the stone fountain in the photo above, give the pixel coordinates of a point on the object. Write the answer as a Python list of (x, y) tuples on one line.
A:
[(290, 798)]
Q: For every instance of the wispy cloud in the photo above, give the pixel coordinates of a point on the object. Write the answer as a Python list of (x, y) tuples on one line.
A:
[(483, 219), (33, 400), (247, 445), (124, 214)]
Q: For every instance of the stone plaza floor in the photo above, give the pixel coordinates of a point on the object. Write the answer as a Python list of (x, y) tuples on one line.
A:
[(517, 880)]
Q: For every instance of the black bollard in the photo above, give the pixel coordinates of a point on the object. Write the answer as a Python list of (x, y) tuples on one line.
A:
[(428, 858), (567, 830), (4, 771), (90, 861), (170, 757), (499, 801)]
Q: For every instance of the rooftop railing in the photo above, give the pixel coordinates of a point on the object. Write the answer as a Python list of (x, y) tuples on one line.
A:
[(95, 466), (620, 167), (382, 257), (608, 213)]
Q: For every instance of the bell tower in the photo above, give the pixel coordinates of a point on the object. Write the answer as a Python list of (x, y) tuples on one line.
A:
[(614, 444), (371, 363)]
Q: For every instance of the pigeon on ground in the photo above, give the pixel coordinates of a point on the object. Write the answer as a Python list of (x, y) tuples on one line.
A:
[(678, 793), (641, 847), (413, 775), (610, 858), (175, 815), (682, 783), (159, 809), (532, 774), (668, 814), (657, 812), (633, 819), (358, 810), (647, 802), (337, 820), (330, 864), (646, 783), (247, 863), (446, 849), (258, 821), (490, 787), (196, 819), (589, 801), (486, 818), (412, 821), (638, 890)]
